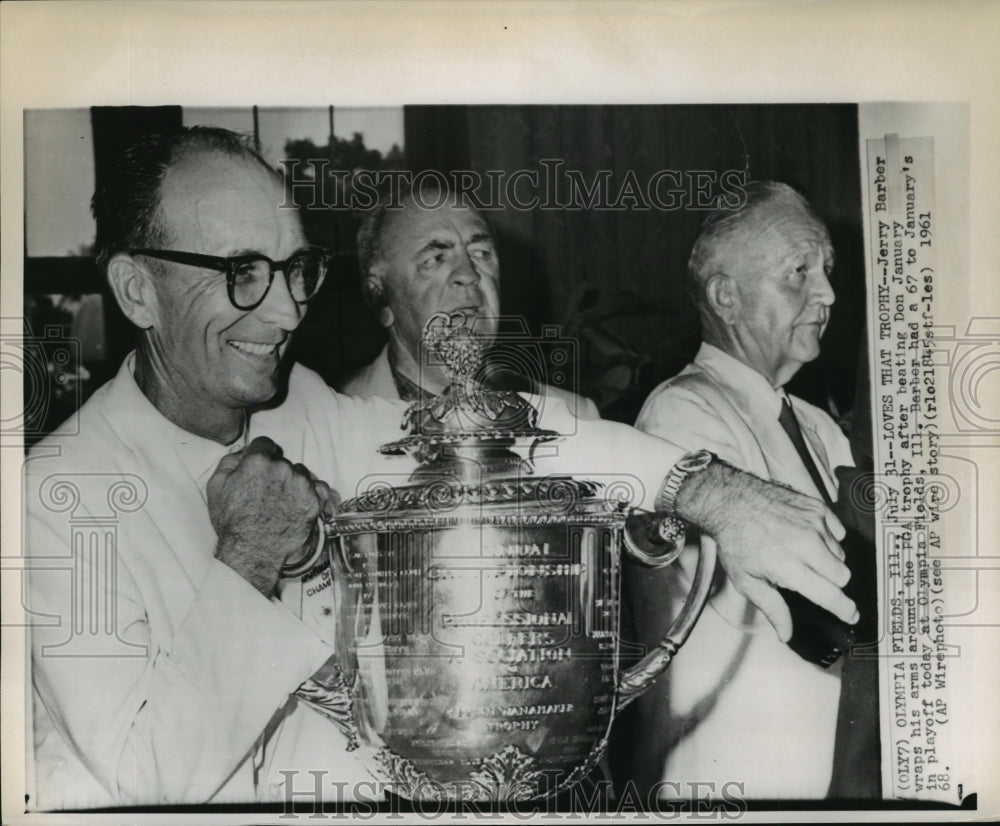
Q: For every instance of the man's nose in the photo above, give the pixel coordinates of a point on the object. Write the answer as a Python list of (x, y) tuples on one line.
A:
[(279, 307), (822, 289), (464, 272)]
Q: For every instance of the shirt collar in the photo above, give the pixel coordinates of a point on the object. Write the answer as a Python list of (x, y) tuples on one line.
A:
[(752, 383), (149, 430), (408, 390)]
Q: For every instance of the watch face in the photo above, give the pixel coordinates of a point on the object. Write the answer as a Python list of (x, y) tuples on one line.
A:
[(695, 461)]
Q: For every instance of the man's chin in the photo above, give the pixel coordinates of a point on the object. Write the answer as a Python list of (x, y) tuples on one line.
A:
[(262, 389), (808, 353)]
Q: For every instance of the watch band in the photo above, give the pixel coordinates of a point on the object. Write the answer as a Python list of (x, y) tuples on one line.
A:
[(666, 498)]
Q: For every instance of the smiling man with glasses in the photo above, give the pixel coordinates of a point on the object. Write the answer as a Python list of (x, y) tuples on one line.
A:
[(192, 697), (198, 682), (214, 320)]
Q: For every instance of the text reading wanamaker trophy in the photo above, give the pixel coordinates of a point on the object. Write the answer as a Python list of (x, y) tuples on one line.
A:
[(478, 604)]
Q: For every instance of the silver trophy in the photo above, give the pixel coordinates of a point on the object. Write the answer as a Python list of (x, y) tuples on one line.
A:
[(478, 604)]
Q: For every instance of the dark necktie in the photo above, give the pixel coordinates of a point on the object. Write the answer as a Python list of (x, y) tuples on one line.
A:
[(791, 426), (817, 635)]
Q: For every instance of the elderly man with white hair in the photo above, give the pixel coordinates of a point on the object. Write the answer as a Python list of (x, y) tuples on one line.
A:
[(738, 705)]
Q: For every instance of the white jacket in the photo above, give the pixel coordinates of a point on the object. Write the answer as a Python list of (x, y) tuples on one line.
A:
[(736, 705)]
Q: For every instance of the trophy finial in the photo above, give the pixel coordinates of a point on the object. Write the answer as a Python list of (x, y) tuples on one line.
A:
[(467, 413), (457, 345)]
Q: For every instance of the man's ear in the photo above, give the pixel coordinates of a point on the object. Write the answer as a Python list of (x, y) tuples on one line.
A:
[(133, 288), (722, 296), (374, 294)]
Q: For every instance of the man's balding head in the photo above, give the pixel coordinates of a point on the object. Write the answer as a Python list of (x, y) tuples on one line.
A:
[(725, 233), (126, 205), (759, 277)]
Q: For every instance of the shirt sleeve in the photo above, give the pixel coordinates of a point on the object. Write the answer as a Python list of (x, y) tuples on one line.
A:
[(631, 464), (155, 720), (674, 412), (358, 428)]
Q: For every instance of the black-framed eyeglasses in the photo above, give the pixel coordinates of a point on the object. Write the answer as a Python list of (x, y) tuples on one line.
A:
[(249, 277)]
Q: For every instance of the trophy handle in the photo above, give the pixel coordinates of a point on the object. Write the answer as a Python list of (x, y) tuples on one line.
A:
[(639, 677)]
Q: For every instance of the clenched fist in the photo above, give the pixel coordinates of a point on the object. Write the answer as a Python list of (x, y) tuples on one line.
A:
[(263, 509)]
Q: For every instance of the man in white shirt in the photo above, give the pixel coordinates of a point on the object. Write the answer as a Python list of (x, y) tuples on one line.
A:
[(422, 253), (168, 660), (738, 705)]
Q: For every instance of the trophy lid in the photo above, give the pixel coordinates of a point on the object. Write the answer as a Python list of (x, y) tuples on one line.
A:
[(462, 440)]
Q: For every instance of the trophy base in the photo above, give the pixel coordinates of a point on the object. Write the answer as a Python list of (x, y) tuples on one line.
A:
[(507, 776)]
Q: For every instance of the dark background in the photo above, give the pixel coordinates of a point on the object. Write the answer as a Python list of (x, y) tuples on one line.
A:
[(612, 279)]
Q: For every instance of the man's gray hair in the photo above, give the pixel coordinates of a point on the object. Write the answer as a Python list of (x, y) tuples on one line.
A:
[(709, 254), (370, 230), (369, 239)]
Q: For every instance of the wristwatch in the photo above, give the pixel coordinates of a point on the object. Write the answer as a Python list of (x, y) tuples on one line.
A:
[(666, 499)]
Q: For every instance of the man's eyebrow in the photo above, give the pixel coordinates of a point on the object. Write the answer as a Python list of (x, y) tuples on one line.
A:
[(795, 256), (248, 251), (436, 244), (481, 236)]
